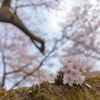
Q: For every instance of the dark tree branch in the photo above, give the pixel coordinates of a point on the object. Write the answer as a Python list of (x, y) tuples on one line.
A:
[(6, 3), (8, 16), (28, 5), (4, 69)]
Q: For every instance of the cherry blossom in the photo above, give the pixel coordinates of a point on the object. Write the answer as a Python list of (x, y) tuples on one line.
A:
[(73, 67)]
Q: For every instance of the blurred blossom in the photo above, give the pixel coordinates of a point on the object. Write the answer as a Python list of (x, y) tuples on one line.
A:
[(4, 88)]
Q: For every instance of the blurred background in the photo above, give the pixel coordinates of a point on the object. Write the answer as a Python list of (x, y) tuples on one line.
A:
[(36, 34)]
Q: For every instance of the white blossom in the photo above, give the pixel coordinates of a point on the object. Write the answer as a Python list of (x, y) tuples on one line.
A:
[(76, 74), (73, 67), (68, 80)]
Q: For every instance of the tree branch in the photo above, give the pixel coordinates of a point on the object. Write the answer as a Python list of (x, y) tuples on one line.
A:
[(4, 69), (28, 5), (6, 3), (18, 69), (9, 17)]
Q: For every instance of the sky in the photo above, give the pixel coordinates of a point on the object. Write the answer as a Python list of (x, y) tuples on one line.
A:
[(57, 17)]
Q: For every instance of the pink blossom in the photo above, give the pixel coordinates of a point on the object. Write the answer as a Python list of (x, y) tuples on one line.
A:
[(68, 80), (73, 67)]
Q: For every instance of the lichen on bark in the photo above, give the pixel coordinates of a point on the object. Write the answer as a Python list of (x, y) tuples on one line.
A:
[(52, 91)]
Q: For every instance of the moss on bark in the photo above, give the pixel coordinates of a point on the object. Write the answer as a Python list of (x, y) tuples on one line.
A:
[(89, 90)]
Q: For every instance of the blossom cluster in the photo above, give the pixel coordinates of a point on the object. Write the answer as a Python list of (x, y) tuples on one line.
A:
[(73, 67)]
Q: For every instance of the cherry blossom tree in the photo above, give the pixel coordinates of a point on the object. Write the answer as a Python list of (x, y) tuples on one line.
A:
[(82, 32)]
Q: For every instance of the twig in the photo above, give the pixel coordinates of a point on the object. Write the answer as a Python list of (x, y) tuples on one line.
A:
[(19, 69)]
